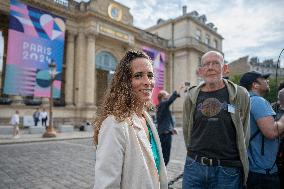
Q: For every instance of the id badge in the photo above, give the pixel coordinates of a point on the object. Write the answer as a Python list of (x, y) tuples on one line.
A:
[(231, 108)]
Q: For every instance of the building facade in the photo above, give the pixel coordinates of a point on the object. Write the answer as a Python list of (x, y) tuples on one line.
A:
[(245, 64), (239, 66), (97, 35), (189, 37)]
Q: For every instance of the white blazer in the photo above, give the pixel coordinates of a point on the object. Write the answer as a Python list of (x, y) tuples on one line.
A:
[(124, 158)]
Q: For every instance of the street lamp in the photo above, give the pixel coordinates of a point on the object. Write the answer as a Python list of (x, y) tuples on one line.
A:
[(50, 131), (277, 66)]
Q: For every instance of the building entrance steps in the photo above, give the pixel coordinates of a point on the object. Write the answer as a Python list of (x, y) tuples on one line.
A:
[(26, 137), (36, 130), (65, 128), (6, 130)]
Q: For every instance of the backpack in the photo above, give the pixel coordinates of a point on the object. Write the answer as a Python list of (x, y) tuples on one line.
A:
[(280, 157)]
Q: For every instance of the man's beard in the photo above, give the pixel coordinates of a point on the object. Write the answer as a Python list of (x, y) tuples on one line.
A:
[(265, 92)]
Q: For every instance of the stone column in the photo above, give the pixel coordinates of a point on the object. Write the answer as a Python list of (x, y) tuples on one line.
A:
[(69, 76), (45, 101), (90, 76), (79, 69)]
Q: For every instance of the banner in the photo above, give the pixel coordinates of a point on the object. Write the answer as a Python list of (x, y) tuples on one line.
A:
[(159, 70), (35, 39)]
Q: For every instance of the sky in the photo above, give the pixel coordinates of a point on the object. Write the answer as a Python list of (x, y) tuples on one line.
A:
[(249, 27)]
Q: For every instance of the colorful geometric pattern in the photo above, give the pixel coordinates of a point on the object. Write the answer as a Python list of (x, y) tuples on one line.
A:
[(159, 70), (35, 22), (211, 107), (35, 38)]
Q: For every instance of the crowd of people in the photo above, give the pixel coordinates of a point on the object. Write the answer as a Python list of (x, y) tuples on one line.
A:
[(231, 132), (38, 116)]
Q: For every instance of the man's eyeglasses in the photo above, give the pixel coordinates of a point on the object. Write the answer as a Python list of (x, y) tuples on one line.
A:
[(213, 64)]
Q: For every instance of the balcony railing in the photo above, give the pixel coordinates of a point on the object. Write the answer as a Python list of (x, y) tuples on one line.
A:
[(5, 101), (191, 41), (32, 101), (62, 2), (147, 36)]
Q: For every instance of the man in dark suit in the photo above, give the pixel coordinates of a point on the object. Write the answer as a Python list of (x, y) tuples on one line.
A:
[(165, 121)]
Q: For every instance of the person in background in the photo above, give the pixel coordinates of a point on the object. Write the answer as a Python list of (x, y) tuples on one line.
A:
[(276, 105), (165, 121), (44, 117), (263, 144), (128, 149), (216, 129), (280, 155), (36, 116), (15, 121)]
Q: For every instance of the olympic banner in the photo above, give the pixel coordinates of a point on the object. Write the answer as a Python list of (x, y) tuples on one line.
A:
[(158, 58), (35, 39)]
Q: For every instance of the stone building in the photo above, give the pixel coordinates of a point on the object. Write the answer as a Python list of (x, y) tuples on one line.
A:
[(245, 64), (239, 66), (189, 36), (98, 33), (267, 66)]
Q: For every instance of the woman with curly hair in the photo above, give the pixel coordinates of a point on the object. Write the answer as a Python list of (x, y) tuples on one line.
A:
[(128, 153)]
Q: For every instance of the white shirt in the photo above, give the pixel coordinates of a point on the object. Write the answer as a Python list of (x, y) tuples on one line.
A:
[(43, 115), (15, 120)]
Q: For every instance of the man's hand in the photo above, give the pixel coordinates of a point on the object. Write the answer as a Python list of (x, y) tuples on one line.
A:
[(182, 86), (174, 132)]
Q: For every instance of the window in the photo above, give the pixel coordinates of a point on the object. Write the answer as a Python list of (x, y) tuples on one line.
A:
[(215, 44), (199, 78), (198, 34), (207, 40), (105, 61), (199, 61)]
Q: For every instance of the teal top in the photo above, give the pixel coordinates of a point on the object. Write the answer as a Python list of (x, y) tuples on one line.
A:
[(154, 149)]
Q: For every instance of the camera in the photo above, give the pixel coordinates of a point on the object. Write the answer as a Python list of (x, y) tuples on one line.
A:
[(187, 85)]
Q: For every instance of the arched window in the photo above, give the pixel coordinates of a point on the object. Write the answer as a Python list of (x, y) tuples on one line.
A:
[(105, 67), (105, 61)]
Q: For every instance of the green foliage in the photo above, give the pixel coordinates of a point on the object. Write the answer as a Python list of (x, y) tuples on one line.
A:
[(272, 96), (236, 79)]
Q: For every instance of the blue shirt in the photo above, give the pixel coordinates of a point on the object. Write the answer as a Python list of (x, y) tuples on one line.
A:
[(261, 108)]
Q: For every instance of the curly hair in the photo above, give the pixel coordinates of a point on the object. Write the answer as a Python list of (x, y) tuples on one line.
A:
[(119, 100)]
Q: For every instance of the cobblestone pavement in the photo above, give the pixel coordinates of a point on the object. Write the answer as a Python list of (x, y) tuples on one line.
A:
[(62, 164), (178, 155)]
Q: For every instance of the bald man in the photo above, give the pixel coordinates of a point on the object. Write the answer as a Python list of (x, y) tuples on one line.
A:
[(165, 121), (216, 129)]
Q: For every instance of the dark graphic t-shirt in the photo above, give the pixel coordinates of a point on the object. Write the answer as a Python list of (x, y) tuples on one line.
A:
[(213, 134)]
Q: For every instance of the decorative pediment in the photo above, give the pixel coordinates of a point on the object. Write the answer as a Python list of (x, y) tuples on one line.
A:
[(111, 9)]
